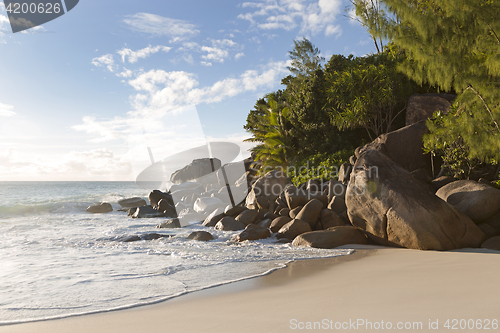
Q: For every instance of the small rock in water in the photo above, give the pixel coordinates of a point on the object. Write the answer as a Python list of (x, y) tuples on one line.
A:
[(135, 238), (212, 219), (132, 202), (253, 232), (173, 223), (146, 212), (229, 224), (103, 207), (200, 236)]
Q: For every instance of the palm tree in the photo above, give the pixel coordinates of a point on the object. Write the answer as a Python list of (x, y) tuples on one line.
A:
[(271, 130)]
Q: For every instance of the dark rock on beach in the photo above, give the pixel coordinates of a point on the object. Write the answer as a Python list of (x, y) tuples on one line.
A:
[(200, 236), (331, 238), (172, 223), (477, 201), (293, 228), (253, 232), (212, 219), (229, 224), (279, 222), (330, 219), (267, 187), (492, 243), (310, 212), (146, 212), (155, 197), (441, 181), (135, 238), (132, 202), (248, 216), (103, 207)]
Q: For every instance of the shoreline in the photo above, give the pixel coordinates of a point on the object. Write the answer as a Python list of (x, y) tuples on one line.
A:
[(373, 284)]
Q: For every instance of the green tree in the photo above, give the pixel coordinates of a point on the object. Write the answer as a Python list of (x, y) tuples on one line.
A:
[(368, 92), (306, 58), (371, 15), (269, 127), (455, 45)]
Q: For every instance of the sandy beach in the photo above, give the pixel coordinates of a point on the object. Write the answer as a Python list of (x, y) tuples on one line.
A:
[(371, 290)]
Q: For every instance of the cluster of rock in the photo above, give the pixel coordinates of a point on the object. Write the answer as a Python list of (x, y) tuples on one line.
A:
[(275, 207), (386, 195)]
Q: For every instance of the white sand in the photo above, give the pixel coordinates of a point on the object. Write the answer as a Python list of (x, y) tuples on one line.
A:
[(399, 286)]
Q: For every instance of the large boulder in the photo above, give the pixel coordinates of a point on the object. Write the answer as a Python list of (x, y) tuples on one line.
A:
[(248, 216), (166, 208), (422, 107), (196, 169), (229, 224), (268, 187), (253, 232), (132, 202), (103, 207), (477, 201), (234, 211), (155, 196), (403, 146), (310, 212), (279, 222), (295, 197), (337, 205), (396, 210), (441, 181), (330, 219), (492, 243), (293, 228), (331, 238)]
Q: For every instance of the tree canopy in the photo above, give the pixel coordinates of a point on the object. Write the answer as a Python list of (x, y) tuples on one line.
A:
[(455, 45)]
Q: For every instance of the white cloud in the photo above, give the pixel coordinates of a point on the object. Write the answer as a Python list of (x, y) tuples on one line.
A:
[(312, 16), (106, 130), (239, 55), (134, 56), (333, 30), (126, 73), (214, 54), (219, 51), (105, 60), (160, 92), (6, 110), (156, 25)]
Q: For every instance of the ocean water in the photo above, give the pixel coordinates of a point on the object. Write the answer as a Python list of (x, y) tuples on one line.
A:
[(57, 260)]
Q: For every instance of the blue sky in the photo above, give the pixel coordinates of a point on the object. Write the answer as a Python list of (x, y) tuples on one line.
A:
[(83, 95)]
